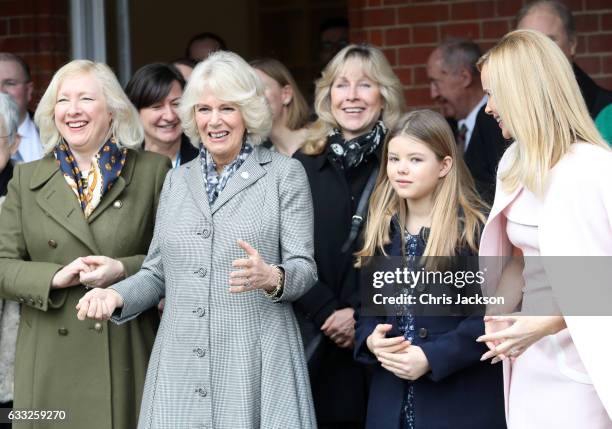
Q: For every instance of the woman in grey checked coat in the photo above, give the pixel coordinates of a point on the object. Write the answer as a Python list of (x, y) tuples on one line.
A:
[(232, 248)]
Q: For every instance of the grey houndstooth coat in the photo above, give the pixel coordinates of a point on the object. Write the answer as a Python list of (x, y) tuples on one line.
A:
[(221, 360)]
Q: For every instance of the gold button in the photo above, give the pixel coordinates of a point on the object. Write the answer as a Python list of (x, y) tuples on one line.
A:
[(62, 331), (52, 244), (98, 327), (118, 204)]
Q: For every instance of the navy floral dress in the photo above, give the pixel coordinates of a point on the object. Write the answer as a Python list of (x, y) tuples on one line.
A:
[(405, 323)]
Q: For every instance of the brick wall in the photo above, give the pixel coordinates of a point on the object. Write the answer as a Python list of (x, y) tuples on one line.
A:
[(408, 30), (37, 31)]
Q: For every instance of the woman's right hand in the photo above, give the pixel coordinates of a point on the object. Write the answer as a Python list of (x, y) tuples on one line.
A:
[(70, 274), (99, 304), (377, 342)]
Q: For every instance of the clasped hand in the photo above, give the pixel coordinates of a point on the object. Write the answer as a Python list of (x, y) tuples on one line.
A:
[(397, 355), (91, 271)]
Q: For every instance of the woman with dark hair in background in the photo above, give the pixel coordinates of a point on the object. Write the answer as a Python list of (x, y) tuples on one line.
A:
[(156, 91), (289, 108)]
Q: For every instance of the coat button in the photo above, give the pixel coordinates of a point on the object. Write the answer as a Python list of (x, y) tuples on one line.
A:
[(52, 244), (21, 299), (199, 352), (98, 327), (62, 331), (200, 312), (201, 272), (118, 204), (422, 333), (31, 301), (206, 233)]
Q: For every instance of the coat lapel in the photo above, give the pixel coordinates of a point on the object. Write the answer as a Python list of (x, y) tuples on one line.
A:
[(195, 184), (57, 199), (248, 173)]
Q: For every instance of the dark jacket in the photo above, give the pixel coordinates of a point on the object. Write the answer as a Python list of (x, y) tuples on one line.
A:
[(5, 177), (596, 97), (458, 392), (187, 151), (338, 382), (485, 149)]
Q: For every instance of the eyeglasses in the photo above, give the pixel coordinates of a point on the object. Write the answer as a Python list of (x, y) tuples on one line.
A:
[(11, 83)]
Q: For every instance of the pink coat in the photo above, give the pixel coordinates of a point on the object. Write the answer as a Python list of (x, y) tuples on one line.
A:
[(575, 219)]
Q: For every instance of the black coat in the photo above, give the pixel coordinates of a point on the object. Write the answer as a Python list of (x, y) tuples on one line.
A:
[(484, 151), (339, 383), (596, 97), (458, 392)]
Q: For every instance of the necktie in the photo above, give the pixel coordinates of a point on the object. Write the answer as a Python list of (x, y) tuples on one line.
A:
[(460, 137)]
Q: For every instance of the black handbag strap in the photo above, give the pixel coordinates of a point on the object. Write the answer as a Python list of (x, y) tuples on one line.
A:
[(362, 206)]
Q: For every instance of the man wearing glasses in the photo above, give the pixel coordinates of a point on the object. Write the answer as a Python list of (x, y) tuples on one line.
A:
[(15, 80)]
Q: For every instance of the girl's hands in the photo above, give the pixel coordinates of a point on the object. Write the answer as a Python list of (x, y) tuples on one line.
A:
[(99, 304)]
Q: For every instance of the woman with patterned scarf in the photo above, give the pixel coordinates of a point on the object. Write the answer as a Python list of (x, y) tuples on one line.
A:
[(358, 98), (81, 217)]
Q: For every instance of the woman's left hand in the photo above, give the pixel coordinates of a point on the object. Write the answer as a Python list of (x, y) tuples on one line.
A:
[(104, 272), (253, 272), (409, 364), (522, 333)]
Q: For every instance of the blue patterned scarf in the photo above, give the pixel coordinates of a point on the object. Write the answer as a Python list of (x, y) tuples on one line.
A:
[(215, 182), (106, 167)]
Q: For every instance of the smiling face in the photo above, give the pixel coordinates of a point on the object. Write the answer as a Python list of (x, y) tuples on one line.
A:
[(81, 114), (413, 169), (446, 87), (491, 108), (160, 121), (221, 128), (356, 100)]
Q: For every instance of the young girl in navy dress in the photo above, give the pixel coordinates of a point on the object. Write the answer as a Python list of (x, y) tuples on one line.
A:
[(427, 371)]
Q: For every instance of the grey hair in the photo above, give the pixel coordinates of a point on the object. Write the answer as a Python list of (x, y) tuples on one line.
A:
[(9, 112), (230, 79), (458, 52), (558, 8)]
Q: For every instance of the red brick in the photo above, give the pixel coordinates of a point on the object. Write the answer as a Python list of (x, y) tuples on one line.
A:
[(374, 2), (468, 30), (508, 7), (50, 6), (472, 10), (495, 29), (600, 42), (582, 45), (16, 7), (357, 4), (404, 75), (376, 37), (358, 36), (355, 18), (14, 26), (591, 65), (574, 5), (606, 64), (587, 23), (418, 14), (29, 25), (395, 2), (426, 34), (606, 82), (597, 4), (398, 36), (417, 96), (17, 45), (414, 55), (379, 17), (420, 76), (391, 55), (3, 27), (485, 46), (606, 21)]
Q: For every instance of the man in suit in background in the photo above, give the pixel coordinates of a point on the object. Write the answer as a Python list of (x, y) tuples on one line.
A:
[(555, 20), (16, 81), (455, 85)]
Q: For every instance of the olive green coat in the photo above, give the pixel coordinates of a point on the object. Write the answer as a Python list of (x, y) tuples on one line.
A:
[(95, 371)]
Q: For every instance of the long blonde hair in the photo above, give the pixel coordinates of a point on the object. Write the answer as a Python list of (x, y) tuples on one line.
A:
[(455, 194), (377, 68), (539, 101)]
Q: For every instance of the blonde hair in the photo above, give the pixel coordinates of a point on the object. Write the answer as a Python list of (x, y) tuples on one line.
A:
[(229, 78), (297, 109), (378, 69), (125, 124), (540, 103), (457, 212)]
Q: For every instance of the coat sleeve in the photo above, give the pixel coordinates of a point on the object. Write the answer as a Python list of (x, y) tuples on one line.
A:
[(364, 326), (146, 288), (21, 280), (296, 232)]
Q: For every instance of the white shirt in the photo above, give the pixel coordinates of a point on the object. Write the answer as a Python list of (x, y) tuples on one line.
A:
[(470, 121), (30, 148)]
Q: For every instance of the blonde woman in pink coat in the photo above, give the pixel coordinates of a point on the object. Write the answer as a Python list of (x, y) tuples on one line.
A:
[(553, 198)]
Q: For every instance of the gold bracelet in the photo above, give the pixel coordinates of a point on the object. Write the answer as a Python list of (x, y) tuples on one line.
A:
[(280, 282)]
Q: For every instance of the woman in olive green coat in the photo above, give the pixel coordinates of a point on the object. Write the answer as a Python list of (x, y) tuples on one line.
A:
[(82, 215)]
